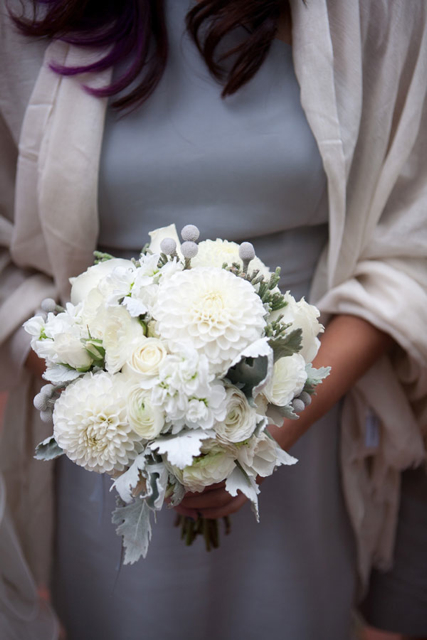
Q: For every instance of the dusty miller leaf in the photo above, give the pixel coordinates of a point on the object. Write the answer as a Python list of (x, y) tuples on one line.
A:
[(287, 345), (239, 480), (135, 528), (315, 377), (128, 480), (182, 448), (158, 478), (252, 369), (277, 414), (49, 449), (59, 373)]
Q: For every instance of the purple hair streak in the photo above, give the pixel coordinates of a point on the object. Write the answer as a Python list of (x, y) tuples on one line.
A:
[(133, 32)]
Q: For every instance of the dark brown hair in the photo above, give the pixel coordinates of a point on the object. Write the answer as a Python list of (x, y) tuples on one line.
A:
[(135, 31)]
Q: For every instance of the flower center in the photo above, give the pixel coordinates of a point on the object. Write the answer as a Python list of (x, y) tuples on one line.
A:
[(210, 307)]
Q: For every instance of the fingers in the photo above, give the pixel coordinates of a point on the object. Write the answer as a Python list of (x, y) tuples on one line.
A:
[(189, 513), (220, 512), (207, 499)]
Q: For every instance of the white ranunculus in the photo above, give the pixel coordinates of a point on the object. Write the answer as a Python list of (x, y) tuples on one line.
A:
[(82, 284), (218, 313), (160, 234), (241, 419), (259, 457), (146, 357), (206, 470), (302, 316), (118, 332), (214, 253), (71, 351), (289, 377), (91, 424), (262, 455), (144, 418)]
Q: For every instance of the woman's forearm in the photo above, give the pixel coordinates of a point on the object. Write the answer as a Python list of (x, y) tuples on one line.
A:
[(350, 346)]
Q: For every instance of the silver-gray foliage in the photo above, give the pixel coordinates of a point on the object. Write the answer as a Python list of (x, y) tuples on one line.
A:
[(48, 449), (134, 527)]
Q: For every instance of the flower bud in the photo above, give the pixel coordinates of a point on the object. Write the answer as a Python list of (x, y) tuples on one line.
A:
[(246, 254), (246, 251), (168, 246), (41, 402), (48, 305), (46, 416), (189, 250), (47, 390), (190, 233), (305, 397), (298, 405)]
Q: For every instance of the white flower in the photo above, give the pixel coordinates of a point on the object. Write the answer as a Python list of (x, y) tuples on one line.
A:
[(187, 392), (213, 253), (215, 311), (118, 283), (91, 426), (206, 470), (160, 234), (289, 377), (144, 418), (262, 455), (118, 332), (35, 326), (145, 359), (241, 418), (302, 316), (71, 351), (90, 279)]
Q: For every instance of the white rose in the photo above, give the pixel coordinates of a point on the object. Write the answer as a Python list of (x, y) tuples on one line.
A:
[(289, 377), (71, 351), (145, 419), (146, 357), (118, 331), (240, 421), (82, 284), (160, 234), (302, 316), (206, 470)]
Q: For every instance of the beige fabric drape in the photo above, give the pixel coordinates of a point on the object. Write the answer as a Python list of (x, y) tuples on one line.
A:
[(362, 68)]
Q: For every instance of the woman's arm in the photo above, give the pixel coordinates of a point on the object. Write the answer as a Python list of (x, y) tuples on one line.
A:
[(350, 346)]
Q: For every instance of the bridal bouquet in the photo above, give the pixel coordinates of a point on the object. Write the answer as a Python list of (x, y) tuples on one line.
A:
[(165, 371)]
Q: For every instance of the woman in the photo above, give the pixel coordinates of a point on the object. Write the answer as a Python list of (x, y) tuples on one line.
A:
[(362, 91)]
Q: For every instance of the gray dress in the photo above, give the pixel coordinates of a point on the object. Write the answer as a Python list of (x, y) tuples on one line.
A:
[(246, 168)]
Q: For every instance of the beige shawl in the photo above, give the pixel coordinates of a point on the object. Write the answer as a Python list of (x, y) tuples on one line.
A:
[(362, 69)]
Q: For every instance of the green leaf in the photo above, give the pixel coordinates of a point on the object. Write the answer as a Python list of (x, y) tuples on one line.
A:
[(48, 449), (102, 257), (287, 345), (135, 528), (249, 373), (315, 377)]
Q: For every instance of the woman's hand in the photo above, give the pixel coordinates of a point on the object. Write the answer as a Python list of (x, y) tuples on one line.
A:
[(213, 502), (34, 364), (350, 346)]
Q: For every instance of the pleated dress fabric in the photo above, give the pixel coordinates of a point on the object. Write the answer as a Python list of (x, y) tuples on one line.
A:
[(244, 168)]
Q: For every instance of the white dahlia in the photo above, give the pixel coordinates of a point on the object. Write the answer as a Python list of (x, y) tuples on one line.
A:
[(213, 253), (218, 313), (91, 426)]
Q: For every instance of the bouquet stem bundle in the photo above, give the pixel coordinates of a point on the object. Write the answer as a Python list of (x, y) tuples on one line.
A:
[(206, 527)]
